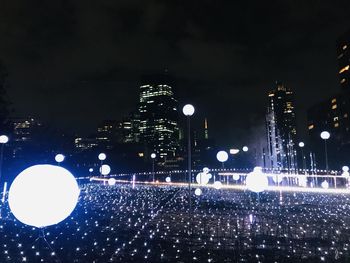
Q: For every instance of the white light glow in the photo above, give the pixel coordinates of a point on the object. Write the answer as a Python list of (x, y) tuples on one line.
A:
[(325, 184), (105, 169), (102, 156), (168, 179), (325, 135), (4, 139), (217, 185), (234, 151), (245, 149), (43, 195), (345, 168), (301, 144), (153, 155), (257, 181), (188, 110), (59, 158), (91, 170), (203, 177), (111, 181), (277, 178), (222, 156), (198, 192)]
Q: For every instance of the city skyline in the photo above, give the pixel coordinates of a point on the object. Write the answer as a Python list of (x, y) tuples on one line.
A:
[(70, 66)]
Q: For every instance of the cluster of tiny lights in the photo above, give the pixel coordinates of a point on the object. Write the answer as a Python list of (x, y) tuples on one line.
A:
[(119, 222)]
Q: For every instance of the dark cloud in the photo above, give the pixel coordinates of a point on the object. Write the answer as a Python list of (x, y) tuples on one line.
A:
[(77, 62)]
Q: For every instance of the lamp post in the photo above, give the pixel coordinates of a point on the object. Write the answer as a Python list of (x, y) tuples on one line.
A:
[(222, 157), (188, 111), (3, 140), (302, 145), (101, 157), (325, 136), (153, 156)]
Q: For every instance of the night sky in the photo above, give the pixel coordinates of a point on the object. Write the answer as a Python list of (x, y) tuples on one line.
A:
[(75, 63)]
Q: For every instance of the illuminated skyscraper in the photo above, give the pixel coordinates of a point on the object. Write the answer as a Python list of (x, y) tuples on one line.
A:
[(281, 128), (343, 53), (158, 125)]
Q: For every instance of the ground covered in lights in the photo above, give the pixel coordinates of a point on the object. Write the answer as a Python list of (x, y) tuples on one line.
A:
[(154, 224)]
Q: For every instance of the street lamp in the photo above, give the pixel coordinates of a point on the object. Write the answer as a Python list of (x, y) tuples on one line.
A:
[(222, 157), (153, 156), (188, 111), (59, 158), (325, 136), (301, 145)]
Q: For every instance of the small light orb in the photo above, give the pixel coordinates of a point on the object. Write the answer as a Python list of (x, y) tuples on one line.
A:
[(345, 168), (234, 151), (301, 144), (235, 177), (277, 178), (105, 169), (198, 192), (4, 139), (325, 135), (217, 185), (188, 110), (102, 156), (43, 195), (59, 158), (153, 155), (222, 156), (168, 179), (111, 181), (245, 149), (91, 170), (257, 181), (325, 184)]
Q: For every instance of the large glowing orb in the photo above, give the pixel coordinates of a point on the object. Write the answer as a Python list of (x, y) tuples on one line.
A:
[(105, 169), (257, 181), (203, 177), (43, 195)]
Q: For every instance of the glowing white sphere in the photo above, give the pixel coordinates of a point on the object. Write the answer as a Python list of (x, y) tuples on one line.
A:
[(111, 181), (235, 177), (345, 168), (198, 192), (277, 178), (4, 139), (301, 144), (59, 158), (234, 151), (325, 135), (43, 195), (217, 185), (188, 110), (105, 169), (222, 156), (102, 156), (325, 184), (168, 179), (257, 181), (91, 170), (245, 149), (203, 178), (153, 155)]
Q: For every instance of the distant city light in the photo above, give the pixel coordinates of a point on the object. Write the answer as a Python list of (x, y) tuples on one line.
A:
[(245, 149), (222, 156), (43, 195), (59, 158), (102, 156), (325, 135), (234, 151), (198, 192), (301, 144), (188, 110), (168, 179), (4, 139), (91, 170), (153, 155)]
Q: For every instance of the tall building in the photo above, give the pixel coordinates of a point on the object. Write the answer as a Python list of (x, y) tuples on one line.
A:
[(281, 128), (158, 124), (343, 53)]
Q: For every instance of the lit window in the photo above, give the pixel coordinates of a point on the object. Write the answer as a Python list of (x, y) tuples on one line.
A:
[(334, 100), (342, 81), (334, 106), (345, 47), (311, 127), (344, 69), (345, 115), (141, 154), (336, 124)]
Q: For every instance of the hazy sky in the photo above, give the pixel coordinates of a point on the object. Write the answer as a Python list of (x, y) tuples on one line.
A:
[(74, 63)]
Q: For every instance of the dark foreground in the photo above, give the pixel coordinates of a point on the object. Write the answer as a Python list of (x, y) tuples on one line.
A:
[(153, 224)]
